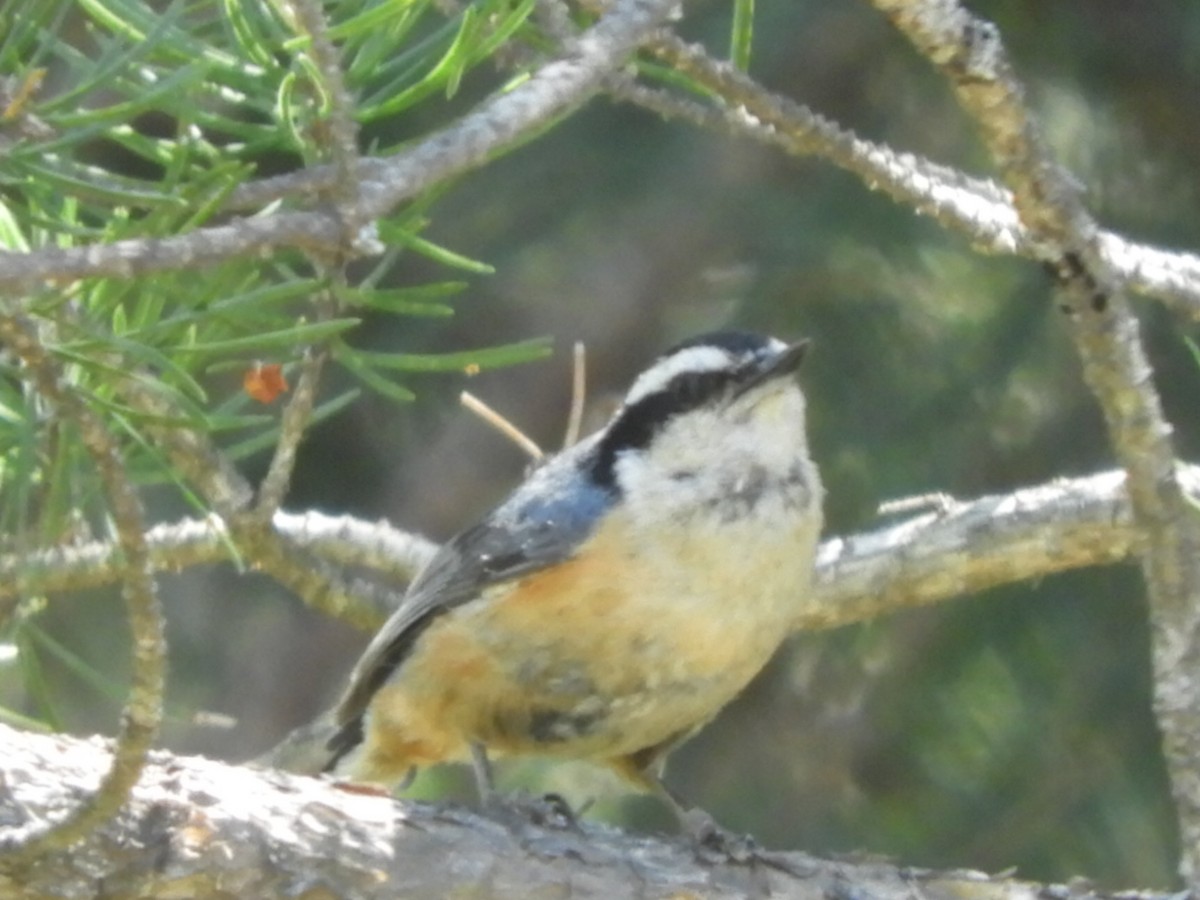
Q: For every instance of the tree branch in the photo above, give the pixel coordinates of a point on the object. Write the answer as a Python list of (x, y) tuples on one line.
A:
[(140, 718), (493, 127), (198, 828), (978, 208), (974, 545), (969, 52)]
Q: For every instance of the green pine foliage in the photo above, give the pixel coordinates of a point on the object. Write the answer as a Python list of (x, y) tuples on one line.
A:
[(131, 119)]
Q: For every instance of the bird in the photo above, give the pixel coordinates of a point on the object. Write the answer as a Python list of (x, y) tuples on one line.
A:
[(618, 599)]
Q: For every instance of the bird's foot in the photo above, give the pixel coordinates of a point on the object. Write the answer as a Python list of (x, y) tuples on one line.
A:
[(714, 844), (522, 808)]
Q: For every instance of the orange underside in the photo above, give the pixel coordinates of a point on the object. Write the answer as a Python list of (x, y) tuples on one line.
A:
[(484, 671)]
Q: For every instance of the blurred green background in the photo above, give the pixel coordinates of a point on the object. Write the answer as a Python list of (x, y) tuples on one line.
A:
[(1008, 729)]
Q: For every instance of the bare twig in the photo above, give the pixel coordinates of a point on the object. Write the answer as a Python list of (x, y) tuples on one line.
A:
[(342, 141), (936, 501), (190, 451), (969, 52), (292, 424), (501, 424), (143, 710), (578, 393)]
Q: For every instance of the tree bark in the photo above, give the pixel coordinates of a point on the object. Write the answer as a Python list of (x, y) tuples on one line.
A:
[(198, 828)]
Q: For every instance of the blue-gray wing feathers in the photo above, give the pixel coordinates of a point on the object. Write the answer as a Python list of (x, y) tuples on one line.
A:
[(541, 524)]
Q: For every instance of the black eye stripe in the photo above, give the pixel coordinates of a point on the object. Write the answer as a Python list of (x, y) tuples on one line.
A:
[(687, 390), (636, 425)]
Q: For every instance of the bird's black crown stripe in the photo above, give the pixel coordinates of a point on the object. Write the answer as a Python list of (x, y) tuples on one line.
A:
[(739, 343)]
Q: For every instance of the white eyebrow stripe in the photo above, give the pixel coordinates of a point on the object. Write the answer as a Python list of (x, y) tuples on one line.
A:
[(658, 376)]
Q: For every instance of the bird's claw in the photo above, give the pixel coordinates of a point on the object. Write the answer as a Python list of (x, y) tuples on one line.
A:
[(545, 811), (714, 844)]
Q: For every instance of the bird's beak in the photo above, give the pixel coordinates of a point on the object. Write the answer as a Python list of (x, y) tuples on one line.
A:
[(782, 364)]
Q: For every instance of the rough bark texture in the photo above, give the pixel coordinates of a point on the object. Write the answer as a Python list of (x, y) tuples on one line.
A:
[(198, 828)]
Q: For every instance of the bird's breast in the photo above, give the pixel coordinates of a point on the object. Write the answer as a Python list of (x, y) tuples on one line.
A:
[(643, 634)]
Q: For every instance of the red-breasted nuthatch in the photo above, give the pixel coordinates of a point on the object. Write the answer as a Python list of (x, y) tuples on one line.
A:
[(620, 597)]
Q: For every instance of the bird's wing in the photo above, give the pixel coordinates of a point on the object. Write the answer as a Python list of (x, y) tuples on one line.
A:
[(527, 533)]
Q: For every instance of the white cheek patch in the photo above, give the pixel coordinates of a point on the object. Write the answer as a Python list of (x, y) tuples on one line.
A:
[(658, 376)]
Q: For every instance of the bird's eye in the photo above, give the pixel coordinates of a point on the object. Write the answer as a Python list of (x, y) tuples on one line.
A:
[(693, 389)]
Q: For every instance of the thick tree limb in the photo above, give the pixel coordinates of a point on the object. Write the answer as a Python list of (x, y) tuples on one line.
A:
[(198, 828)]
